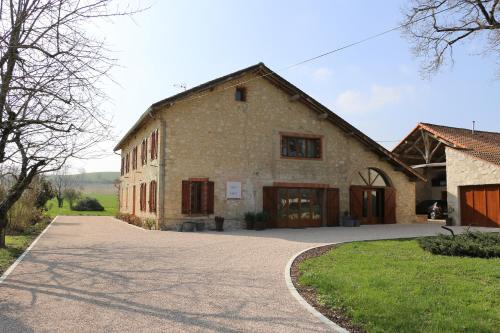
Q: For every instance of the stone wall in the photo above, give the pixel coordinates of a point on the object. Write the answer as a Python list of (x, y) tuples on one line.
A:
[(225, 140), (143, 173), (463, 169)]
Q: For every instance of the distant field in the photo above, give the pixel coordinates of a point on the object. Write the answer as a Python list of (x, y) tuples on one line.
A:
[(109, 201), (95, 182)]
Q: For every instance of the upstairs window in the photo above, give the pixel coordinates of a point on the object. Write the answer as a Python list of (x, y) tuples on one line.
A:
[(301, 147), (122, 168), (127, 163), (154, 145), (142, 197), (144, 151), (240, 94), (134, 158), (197, 197)]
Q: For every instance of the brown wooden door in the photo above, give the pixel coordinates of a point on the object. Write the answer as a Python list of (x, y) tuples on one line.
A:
[(367, 204), (480, 205), (133, 200), (270, 205), (389, 205), (294, 207), (332, 207)]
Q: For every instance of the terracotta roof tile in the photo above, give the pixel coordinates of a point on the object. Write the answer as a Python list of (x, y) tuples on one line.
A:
[(480, 144)]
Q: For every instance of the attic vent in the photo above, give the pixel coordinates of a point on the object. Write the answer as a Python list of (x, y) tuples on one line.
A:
[(240, 94)]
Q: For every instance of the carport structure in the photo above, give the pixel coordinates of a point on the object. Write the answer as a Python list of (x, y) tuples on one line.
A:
[(462, 167)]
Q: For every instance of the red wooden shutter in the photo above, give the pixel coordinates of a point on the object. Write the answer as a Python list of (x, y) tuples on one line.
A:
[(332, 207), (152, 196), (389, 205), (186, 197), (155, 195), (270, 205), (210, 198), (356, 202), (156, 143)]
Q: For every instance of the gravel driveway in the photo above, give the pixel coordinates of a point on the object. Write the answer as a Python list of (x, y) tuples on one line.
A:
[(97, 274)]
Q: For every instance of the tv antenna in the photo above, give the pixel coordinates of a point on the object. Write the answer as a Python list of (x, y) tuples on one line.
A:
[(181, 86)]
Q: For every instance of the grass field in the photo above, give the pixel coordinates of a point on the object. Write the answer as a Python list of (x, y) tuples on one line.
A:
[(109, 202), (395, 286), (17, 244)]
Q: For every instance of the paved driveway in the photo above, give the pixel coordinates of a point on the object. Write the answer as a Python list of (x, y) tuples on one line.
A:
[(96, 274)]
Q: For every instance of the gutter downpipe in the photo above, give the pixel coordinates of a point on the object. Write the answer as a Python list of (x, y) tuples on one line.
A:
[(161, 172)]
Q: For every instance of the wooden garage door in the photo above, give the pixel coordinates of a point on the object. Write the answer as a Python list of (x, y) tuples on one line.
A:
[(480, 205)]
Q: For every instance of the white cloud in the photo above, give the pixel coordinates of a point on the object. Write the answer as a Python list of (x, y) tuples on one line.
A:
[(322, 73), (353, 101)]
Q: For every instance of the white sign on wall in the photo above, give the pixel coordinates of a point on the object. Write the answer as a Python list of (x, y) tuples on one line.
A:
[(233, 190)]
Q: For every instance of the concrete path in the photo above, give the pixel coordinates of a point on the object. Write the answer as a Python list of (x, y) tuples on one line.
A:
[(97, 274)]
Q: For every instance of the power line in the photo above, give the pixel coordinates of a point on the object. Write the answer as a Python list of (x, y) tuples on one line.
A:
[(327, 53)]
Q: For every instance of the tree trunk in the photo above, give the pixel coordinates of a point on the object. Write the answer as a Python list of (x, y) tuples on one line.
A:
[(2, 238), (60, 202), (3, 226)]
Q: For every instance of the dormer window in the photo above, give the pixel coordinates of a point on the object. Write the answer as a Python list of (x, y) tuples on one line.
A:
[(240, 94)]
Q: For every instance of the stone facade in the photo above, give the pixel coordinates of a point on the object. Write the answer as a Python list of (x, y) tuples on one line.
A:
[(142, 174), (211, 135), (463, 169)]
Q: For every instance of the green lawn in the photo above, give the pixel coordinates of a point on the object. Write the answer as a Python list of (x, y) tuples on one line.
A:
[(395, 286), (17, 244), (109, 202)]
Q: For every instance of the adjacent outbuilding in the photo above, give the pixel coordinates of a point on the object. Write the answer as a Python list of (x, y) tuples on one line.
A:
[(462, 167)]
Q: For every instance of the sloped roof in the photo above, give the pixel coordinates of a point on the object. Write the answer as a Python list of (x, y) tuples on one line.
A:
[(480, 144), (265, 73)]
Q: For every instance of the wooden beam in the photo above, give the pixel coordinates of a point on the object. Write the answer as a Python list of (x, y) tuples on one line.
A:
[(407, 150), (294, 98), (429, 165)]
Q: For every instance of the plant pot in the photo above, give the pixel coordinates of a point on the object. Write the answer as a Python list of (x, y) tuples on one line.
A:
[(250, 225), (260, 225), (219, 223), (349, 222), (200, 226), (188, 226)]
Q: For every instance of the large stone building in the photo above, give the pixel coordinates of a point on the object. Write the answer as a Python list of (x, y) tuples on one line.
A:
[(251, 141), (462, 166)]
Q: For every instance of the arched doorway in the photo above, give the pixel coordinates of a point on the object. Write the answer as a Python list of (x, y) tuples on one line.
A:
[(372, 198)]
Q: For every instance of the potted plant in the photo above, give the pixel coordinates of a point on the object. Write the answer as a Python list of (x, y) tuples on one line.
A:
[(260, 221), (349, 221), (250, 220), (219, 223)]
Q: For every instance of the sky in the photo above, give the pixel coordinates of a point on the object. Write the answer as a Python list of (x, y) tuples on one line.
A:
[(376, 86)]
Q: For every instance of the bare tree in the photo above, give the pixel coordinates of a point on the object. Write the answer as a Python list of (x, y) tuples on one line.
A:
[(61, 182), (434, 27), (50, 96)]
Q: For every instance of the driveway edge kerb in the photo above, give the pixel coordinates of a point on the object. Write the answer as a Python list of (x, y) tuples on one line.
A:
[(118, 220), (21, 257), (288, 279)]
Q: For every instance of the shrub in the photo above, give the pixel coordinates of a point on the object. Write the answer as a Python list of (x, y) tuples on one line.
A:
[(468, 244), (88, 204), (135, 221), (123, 216), (261, 219), (250, 220), (149, 224)]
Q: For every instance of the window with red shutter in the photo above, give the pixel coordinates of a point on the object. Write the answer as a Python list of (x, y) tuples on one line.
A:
[(134, 158), (154, 144), (197, 197), (152, 196)]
